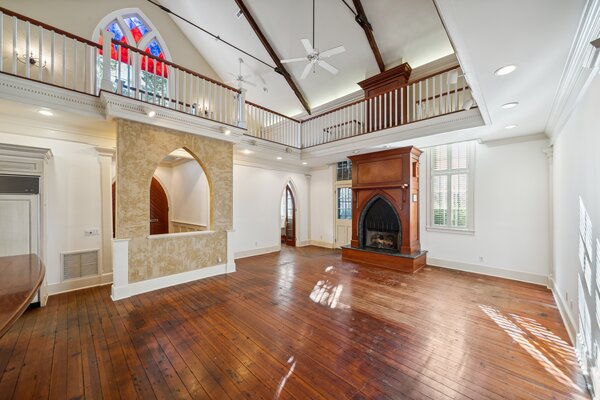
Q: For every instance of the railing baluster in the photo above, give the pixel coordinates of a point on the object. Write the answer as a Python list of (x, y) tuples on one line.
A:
[(184, 94), (462, 106), (40, 53), (402, 105), (27, 49), (2, 41), (14, 49), (74, 64)]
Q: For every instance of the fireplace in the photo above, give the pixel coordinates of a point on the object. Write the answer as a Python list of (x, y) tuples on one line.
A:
[(385, 210), (380, 226)]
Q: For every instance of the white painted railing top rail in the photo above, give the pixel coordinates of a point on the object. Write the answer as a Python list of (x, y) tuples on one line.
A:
[(270, 125), (33, 50), (440, 94)]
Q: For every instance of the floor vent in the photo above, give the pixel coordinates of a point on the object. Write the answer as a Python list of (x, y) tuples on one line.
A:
[(79, 264)]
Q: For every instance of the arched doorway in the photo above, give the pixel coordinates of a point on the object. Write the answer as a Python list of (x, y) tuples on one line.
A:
[(288, 217), (159, 209)]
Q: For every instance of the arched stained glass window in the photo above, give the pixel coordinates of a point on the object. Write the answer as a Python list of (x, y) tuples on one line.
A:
[(131, 27)]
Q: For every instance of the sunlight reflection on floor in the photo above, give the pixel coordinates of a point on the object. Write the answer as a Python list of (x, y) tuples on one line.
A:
[(326, 293), (519, 335), (284, 379)]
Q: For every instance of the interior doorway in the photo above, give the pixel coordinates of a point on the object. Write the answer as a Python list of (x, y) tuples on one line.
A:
[(288, 217), (343, 215), (159, 209)]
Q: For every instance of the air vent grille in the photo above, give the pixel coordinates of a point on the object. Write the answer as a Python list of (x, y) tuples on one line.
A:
[(80, 264)]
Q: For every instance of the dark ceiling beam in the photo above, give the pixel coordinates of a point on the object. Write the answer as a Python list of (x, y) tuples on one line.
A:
[(362, 20), (280, 68)]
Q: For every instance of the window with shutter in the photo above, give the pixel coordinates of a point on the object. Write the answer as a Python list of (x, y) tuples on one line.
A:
[(450, 200)]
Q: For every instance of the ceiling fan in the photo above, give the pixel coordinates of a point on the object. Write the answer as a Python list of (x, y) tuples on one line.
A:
[(314, 56), (240, 79)]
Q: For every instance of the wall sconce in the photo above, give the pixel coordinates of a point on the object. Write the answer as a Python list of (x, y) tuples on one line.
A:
[(595, 59), (32, 60)]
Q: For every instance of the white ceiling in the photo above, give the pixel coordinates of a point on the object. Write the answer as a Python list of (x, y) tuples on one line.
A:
[(408, 30), (535, 35)]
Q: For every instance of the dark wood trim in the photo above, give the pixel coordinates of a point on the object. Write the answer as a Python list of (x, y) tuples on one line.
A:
[(273, 112), (172, 64), (22, 276), (276, 59), (48, 27), (362, 20)]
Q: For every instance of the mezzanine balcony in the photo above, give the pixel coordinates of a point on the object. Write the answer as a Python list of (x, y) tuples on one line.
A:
[(44, 54)]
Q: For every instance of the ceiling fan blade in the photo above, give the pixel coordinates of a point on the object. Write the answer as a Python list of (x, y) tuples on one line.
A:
[(307, 46), (306, 70), (327, 66), (292, 60), (249, 83), (332, 52)]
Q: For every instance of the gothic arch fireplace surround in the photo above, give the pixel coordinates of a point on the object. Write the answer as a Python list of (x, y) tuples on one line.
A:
[(385, 210)]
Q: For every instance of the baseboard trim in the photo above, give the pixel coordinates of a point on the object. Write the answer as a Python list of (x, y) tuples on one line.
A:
[(563, 309), (132, 289), (319, 243), (78, 284), (256, 252), (492, 271)]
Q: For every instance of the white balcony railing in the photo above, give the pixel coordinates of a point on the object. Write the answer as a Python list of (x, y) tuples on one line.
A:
[(437, 95), (36, 51), (269, 125)]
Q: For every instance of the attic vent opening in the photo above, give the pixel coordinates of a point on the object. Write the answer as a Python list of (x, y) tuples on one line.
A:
[(79, 264)]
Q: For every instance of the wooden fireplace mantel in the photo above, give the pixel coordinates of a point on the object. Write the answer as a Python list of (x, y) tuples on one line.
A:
[(394, 176)]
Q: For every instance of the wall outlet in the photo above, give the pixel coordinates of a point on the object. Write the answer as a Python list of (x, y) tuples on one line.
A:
[(480, 258), (92, 232)]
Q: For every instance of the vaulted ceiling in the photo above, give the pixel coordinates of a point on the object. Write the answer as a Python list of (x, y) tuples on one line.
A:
[(405, 30)]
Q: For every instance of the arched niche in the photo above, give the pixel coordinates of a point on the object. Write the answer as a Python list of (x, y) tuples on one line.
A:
[(180, 195)]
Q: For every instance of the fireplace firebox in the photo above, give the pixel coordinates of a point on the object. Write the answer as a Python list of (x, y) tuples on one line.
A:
[(385, 210), (380, 226)]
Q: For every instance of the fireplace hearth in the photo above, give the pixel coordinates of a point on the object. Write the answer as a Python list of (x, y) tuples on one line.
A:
[(385, 210)]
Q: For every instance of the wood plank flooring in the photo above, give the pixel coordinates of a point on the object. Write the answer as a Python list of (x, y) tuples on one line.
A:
[(299, 324)]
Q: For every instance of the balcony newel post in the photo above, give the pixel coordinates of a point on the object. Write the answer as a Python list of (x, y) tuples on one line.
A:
[(107, 38), (241, 109)]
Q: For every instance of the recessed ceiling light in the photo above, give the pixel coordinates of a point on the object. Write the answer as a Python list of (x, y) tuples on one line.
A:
[(279, 158), (304, 163), (47, 113), (355, 152), (510, 126), (246, 151), (512, 104), (225, 130), (507, 69)]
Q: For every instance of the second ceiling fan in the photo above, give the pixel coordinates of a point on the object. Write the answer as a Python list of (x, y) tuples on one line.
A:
[(314, 56)]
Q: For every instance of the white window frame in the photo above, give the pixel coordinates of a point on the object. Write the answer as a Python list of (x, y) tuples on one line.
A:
[(470, 171)]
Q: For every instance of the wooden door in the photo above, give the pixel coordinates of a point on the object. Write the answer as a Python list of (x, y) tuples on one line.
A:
[(288, 231), (159, 209)]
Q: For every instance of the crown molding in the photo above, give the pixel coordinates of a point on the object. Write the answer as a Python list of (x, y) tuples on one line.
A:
[(13, 150), (514, 140), (577, 75)]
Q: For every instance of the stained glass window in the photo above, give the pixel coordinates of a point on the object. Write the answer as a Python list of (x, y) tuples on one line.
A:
[(137, 27)]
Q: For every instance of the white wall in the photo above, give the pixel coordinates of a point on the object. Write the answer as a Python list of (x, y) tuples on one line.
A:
[(256, 208), (73, 200), (187, 189), (511, 215), (321, 207), (80, 17), (576, 172)]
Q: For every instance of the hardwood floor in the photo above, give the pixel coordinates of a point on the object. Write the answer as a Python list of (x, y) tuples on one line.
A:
[(300, 324)]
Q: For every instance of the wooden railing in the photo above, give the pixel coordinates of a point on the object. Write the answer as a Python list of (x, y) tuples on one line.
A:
[(270, 125), (433, 96), (36, 51), (137, 74)]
